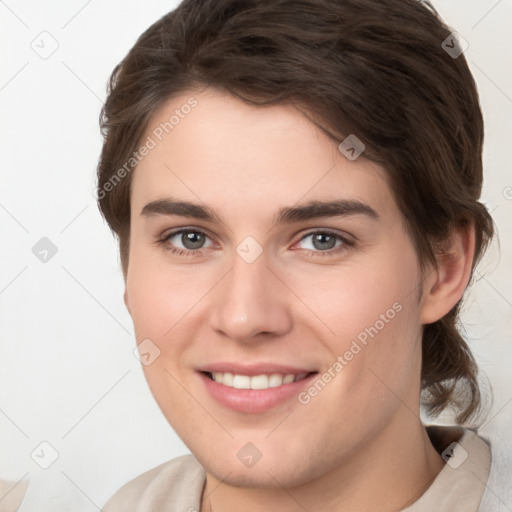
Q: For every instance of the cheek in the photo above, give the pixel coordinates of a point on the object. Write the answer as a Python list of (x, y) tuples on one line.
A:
[(161, 304), (159, 296), (363, 299), (368, 318)]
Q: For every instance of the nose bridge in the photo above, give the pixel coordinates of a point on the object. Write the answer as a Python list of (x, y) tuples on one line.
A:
[(249, 301)]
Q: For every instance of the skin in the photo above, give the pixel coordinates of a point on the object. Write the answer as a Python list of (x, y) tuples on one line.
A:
[(359, 444)]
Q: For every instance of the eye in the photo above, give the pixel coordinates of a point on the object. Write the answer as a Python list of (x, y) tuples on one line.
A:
[(325, 242), (191, 240)]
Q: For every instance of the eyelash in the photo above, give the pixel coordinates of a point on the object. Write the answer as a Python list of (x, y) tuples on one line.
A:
[(345, 246)]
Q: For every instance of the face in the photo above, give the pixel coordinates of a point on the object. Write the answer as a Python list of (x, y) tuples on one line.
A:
[(255, 284)]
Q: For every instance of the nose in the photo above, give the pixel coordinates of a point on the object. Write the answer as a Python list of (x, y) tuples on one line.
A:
[(251, 302)]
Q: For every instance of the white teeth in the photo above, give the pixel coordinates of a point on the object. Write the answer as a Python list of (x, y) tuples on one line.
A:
[(288, 378), (259, 382), (275, 380), (241, 382), (263, 381)]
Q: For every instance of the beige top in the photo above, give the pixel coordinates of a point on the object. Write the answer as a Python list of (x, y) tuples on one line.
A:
[(11, 495), (177, 485)]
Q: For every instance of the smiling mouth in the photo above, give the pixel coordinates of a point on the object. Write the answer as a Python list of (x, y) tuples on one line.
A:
[(263, 381)]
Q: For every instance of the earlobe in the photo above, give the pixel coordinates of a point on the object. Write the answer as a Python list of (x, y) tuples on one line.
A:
[(445, 284)]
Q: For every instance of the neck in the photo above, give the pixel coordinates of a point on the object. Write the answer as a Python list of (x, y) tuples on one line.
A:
[(388, 474)]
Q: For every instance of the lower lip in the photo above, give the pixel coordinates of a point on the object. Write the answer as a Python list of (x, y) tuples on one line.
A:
[(254, 400)]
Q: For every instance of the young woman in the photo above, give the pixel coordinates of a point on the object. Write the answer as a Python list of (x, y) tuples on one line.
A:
[(295, 188)]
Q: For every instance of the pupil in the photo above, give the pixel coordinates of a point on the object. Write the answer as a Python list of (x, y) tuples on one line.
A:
[(192, 240), (320, 238)]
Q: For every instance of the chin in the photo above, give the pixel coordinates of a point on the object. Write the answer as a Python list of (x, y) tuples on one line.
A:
[(257, 478), (271, 472)]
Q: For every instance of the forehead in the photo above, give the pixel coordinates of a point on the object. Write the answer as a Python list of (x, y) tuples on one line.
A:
[(212, 147)]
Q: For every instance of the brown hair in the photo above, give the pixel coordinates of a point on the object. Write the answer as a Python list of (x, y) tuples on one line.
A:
[(374, 68)]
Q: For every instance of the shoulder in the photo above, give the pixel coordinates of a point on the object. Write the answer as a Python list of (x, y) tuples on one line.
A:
[(12, 494), (461, 484), (178, 484), (498, 493)]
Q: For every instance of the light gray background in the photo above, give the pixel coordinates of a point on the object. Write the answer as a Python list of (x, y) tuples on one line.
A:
[(68, 375)]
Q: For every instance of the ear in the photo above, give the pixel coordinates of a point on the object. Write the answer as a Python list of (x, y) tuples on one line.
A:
[(445, 284), (125, 298)]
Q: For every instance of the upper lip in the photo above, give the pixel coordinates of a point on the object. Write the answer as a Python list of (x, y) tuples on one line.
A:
[(254, 368)]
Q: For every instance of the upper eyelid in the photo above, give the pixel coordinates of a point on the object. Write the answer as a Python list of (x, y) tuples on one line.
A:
[(173, 232)]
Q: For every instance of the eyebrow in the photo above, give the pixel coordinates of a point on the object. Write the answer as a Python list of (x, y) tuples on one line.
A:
[(286, 215)]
